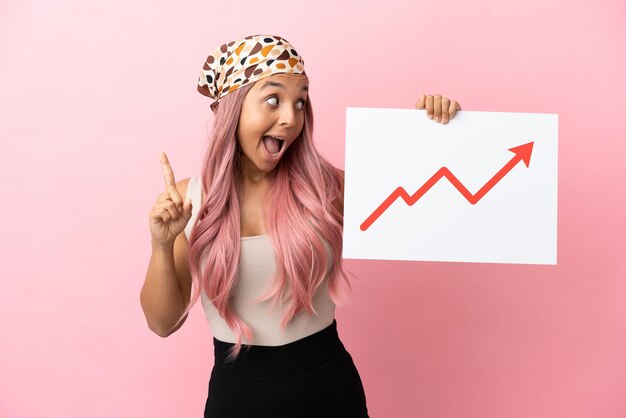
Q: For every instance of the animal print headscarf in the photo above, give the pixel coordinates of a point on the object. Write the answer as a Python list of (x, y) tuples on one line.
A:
[(250, 59)]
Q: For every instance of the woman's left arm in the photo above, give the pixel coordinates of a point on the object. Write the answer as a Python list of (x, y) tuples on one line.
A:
[(439, 108)]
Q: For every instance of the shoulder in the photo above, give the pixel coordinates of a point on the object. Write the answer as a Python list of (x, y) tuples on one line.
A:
[(182, 188)]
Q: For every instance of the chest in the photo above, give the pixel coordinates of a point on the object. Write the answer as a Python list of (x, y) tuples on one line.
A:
[(251, 211), (251, 206), (251, 220)]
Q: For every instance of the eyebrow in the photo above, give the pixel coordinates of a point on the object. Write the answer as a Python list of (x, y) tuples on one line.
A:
[(275, 84)]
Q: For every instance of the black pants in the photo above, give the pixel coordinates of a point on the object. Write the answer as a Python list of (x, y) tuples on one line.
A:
[(312, 377)]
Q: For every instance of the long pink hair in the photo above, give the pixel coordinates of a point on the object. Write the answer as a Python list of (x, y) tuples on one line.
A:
[(301, 214)]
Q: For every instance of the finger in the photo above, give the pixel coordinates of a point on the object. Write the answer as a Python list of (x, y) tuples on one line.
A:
[(437, 107), (176, 197), (164, 196), (171, 194), (164, 214), (170, 182), (421, 102), (429, 106), (445, 108), (168, 173), (170, 209), (187, 207), (454, 106)]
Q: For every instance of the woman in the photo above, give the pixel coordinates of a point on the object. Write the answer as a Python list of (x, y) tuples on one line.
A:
[(259, 238)]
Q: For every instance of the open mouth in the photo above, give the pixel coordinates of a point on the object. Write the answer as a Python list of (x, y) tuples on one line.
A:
[(274, 145)]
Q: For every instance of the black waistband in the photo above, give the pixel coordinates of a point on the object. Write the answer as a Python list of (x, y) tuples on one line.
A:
[(281, 360)]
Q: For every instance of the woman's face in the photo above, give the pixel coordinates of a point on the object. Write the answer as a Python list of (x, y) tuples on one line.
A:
[(274, 107)]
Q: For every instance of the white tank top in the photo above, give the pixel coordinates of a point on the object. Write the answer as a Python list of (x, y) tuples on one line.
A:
[(257, 267)]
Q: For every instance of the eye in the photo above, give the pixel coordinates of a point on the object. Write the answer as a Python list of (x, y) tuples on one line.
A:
[(274, 102)]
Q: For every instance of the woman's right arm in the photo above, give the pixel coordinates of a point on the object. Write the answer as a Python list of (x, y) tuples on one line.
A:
[(167, 287)]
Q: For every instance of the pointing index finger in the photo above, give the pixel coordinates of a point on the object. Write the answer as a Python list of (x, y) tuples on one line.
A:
[(168, 173)]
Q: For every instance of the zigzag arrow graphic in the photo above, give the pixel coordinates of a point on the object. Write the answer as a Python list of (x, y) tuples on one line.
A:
[(522, 153)]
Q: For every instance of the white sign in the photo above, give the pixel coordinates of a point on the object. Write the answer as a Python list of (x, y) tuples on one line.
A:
[(482, 188)]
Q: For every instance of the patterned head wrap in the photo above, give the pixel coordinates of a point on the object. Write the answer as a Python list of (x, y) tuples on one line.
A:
[(250, 59)]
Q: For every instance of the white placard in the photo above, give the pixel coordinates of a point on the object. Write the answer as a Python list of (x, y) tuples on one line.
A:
[(470, 196)]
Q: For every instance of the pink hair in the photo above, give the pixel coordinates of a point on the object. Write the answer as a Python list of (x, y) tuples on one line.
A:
[(300, 216)]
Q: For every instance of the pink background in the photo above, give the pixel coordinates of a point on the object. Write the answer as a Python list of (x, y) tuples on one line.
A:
[(90, 92)]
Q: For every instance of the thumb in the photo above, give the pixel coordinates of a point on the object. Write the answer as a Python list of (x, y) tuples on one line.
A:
[(187, 207), (420, 103)]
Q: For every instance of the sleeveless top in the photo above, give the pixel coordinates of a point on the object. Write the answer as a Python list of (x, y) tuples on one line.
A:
[(256, 269)]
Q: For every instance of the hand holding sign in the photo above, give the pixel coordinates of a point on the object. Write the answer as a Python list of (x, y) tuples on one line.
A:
[(439, 108)]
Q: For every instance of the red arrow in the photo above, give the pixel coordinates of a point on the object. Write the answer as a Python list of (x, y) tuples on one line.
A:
[(522, 153)]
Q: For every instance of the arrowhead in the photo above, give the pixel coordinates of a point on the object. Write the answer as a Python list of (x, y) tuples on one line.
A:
[(523, 152)]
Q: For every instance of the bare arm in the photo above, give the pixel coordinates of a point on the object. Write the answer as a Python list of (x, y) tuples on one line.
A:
[(167, 287)]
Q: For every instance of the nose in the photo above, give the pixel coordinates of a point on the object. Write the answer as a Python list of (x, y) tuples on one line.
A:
[(287, 116)]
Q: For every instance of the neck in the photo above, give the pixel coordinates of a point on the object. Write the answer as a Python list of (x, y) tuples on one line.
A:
[(252, 177)]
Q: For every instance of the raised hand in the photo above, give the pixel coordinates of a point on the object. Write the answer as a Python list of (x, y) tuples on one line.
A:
[(439, 108), (170, 213)]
